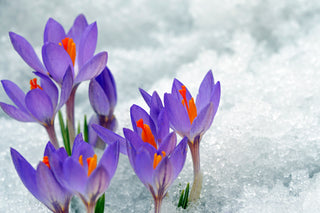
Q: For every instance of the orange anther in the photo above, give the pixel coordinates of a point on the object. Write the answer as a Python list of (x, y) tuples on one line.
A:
[(92, 164), (146, 134), (157, 158), (34, 85), (46, 161), (81, 160), (70, 47), (191, 107)]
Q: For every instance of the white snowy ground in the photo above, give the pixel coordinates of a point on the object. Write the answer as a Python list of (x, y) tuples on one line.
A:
[(262, 153)]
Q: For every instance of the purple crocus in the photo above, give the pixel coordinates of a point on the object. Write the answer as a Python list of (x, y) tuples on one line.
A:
[(41, 182), (40, 104), (82, 174), (192, 119), (103, 99), (151, 150), (61, 50)]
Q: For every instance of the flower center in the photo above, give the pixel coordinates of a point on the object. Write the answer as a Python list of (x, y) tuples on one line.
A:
[(191, 108), (146, 134), (46, 161), (92, 163), (157, 158), (34, 85), (70, 47)]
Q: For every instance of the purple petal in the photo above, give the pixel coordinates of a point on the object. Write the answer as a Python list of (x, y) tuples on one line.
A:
[(146, 96), (66, 88), (177, 114), (26, 172), (53, 32), (98, 183), (16, 113), (163, 176), (98, 99), (132, 137), (168, 143), (106, 81), (163, 125), (74, 175), (78, 27), (49, 149), (110, 158), (143, 167), (80, 147), (50, 88), (178, 157), (26, 51), (156, 106), (93, 136), (56, 60), (87, 44), (109, 137), (15, 94), (40, 106), (51, 191), (216, 96), (176, 86), (138, 113), (202, 122), (92, 68), (205, 91)]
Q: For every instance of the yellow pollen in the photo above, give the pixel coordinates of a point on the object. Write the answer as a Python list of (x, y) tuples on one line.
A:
[(34, 84), (46, 161), (190, 106), (70, 47), (146, 134)]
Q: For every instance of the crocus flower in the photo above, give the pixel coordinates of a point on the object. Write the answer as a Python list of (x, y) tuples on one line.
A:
[(40, 104), (192, 119), (41, 182), (82, 174), (156, 166), (151, 150), (103, 99), (60, 51)]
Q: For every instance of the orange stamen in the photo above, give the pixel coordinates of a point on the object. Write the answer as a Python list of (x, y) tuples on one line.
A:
[(81, 160), (191, 108), (157, 158), (46, 161), (34, 85), (146, 134), (92, 164), (70, 47)]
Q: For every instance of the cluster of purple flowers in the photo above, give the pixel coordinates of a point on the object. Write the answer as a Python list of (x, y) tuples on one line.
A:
[(152, 145)]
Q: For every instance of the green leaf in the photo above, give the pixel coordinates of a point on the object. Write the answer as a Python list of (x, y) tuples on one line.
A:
[(64, 133), (78, 129), (85, 129), (181, 198), (100, 205)]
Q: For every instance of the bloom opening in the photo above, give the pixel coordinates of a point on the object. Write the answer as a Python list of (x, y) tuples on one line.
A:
[(191, 108), (70, 47), (92, 163), (34, 84), (146, 134)]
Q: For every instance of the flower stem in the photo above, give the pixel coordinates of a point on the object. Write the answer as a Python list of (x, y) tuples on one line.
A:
[(157, 204), (52, 135), (90, 207), (197, 174), (70, 115)]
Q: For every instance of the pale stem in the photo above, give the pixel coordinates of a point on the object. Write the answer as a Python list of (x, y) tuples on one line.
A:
[(157, 204), (52, 135), (90, 207), (197, 174), (70, 115)]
